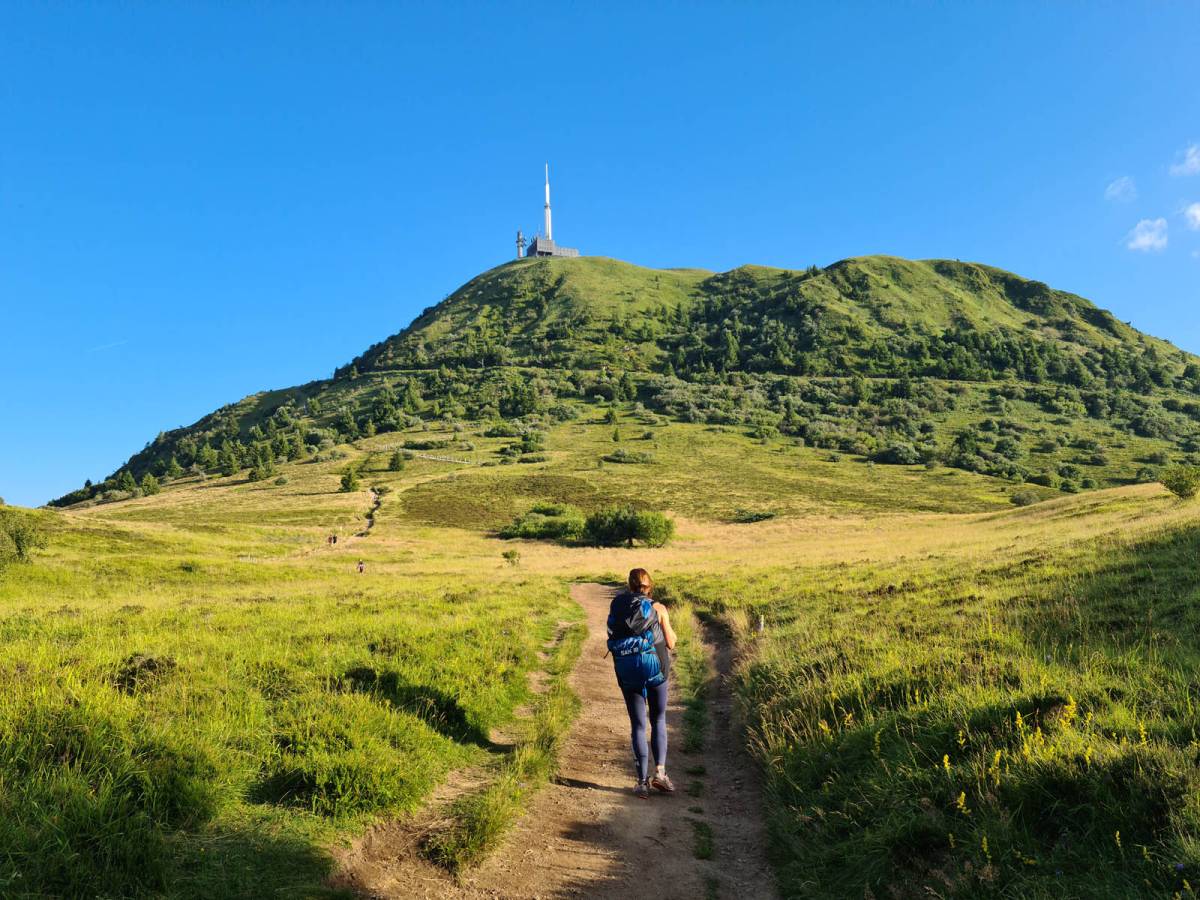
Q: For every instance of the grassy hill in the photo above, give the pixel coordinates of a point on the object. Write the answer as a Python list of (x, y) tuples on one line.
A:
[(972, 677), (891, 360)]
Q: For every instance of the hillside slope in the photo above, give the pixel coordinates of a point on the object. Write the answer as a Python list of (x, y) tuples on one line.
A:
[(893, 360)]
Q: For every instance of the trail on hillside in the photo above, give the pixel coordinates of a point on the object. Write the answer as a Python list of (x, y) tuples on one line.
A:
[(585, 834)]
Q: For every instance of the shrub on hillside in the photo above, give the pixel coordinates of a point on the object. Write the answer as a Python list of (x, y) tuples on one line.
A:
[(547, 521), (619, 525), (350, 481), (621, 455), (20, 533), (1182, 481), (1045, 479), (1146, 475), (749, 516), (898, 454), (1024, 498)]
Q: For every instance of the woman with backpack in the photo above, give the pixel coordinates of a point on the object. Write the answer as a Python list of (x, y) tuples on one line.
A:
[(640, 638)]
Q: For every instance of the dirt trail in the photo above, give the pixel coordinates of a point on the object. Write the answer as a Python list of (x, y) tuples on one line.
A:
[(585, 834)]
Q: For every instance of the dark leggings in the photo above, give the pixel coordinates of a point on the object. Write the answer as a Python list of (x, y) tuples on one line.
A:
[(635, 703)]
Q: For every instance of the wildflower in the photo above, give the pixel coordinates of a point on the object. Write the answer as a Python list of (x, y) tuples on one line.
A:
[(1087, 756), (946, 762), (824, 726), (1117, 838), (994, 769), (961, 805), (951, 836), (1142, 732), (1179, 867), (1069, 711), (962, 739), (983, 845), (1145, 853)]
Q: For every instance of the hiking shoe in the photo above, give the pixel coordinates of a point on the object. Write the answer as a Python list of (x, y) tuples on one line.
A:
[(662, 783), (642, 790)]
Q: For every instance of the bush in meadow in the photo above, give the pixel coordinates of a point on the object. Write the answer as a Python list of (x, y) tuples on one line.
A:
[(1182, 481)]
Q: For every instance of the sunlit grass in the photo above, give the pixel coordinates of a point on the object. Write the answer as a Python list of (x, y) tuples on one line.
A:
[(204, 695)]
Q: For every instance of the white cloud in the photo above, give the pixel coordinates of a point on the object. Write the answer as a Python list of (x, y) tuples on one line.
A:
[(1148, 235), (1189, 163), (1122, 190), (1192, 214)]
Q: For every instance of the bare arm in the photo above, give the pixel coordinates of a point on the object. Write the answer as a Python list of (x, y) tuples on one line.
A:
[(664, 619)]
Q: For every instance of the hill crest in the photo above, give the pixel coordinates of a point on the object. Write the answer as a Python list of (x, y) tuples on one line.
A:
[(870, 356)]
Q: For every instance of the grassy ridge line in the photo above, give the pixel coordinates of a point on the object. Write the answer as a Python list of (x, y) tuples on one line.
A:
[(481, 819)]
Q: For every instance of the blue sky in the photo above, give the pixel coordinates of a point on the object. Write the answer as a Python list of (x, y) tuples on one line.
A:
[(199, 201)]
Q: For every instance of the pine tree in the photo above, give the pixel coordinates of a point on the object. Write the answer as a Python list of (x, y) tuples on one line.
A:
[(207, 458), (350, 480), (228, 460), (125, 482), (396, 463), (150, 485), (174, 469)]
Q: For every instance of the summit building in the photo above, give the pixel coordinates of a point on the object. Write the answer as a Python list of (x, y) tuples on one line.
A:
[(543, 244)]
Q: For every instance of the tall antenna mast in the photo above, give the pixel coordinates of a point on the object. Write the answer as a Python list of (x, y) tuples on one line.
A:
[(549, 234)]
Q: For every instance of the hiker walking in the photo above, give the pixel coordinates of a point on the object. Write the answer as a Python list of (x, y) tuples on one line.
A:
[(640, 638), (362, 567)]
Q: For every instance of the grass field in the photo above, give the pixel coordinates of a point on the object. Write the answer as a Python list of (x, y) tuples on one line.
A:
[(1011, 718), (950, 694)]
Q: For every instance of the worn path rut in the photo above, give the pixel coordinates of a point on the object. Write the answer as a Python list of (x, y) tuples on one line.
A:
[(586, 835)]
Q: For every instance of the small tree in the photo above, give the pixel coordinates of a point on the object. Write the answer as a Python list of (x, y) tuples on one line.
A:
[(228, 460), (20, 533), (125, 482), (174, 469), (150, 485), (1182, 481), (618, 525), (654, 529), (350, 480), (396, 463)]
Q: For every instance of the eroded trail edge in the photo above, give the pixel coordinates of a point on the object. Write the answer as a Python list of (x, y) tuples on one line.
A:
[(586, 834)]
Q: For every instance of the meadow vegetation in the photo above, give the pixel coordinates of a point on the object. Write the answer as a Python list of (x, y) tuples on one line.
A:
[(1018, 720), (934, 483)]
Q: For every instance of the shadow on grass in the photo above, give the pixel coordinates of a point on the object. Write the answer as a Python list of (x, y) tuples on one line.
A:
[(250, 862), (435, 707)]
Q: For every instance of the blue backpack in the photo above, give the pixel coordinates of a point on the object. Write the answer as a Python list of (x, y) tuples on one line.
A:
[(631, 640)]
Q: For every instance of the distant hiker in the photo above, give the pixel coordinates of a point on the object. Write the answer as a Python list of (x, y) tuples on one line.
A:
[(640, 638), (332, 539), (362, 567)]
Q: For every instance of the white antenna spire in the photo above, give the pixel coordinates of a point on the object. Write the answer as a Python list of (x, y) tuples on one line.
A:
[(549, 234)]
